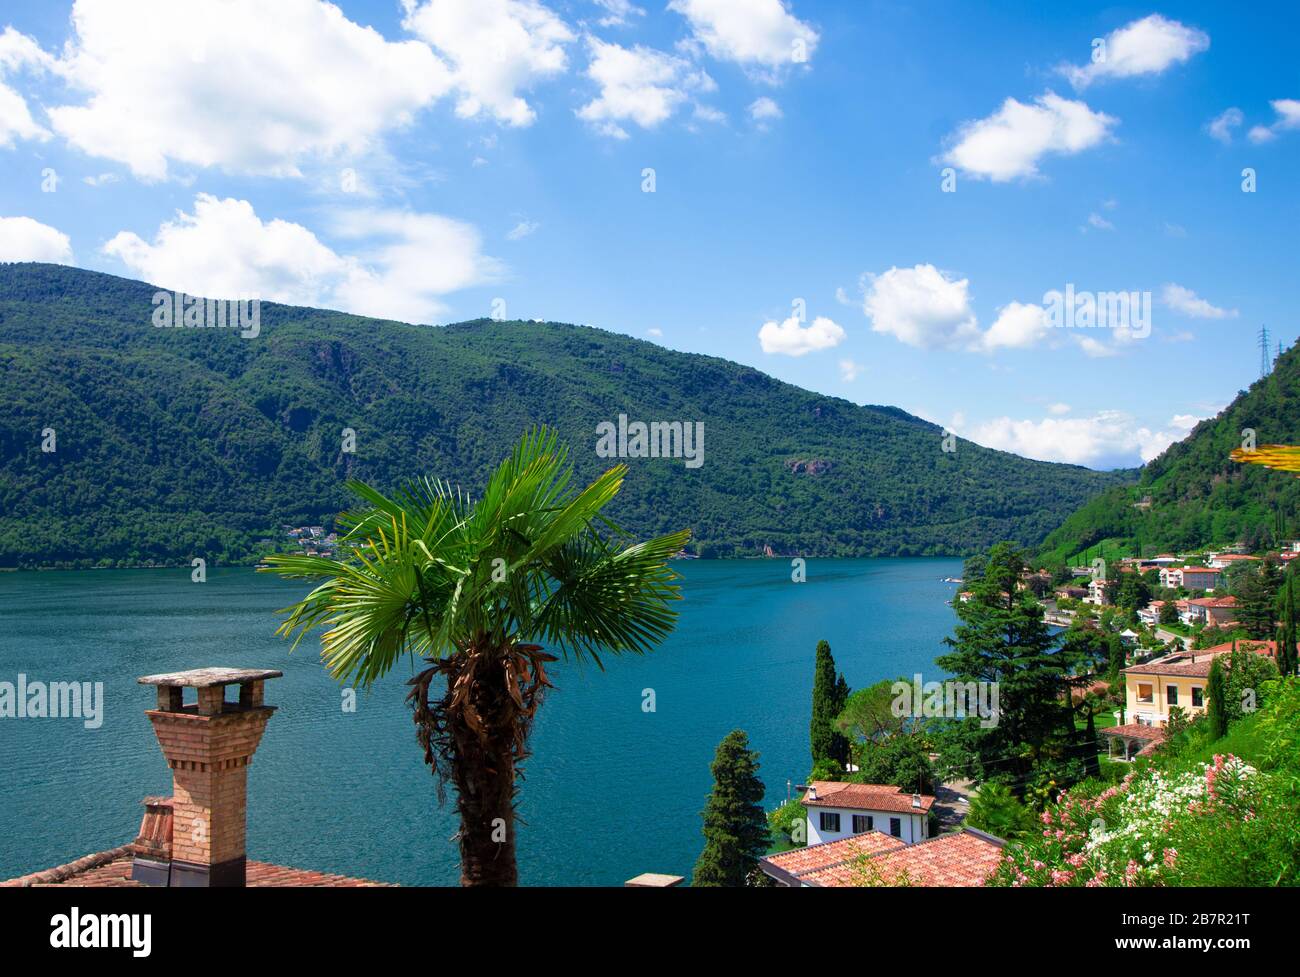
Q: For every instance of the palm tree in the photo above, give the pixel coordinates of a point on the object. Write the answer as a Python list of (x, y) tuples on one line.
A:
[(477, 589), (1282, 457)]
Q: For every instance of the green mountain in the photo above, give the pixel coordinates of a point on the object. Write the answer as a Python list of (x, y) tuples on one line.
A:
[(1194, 494), (172, 443)]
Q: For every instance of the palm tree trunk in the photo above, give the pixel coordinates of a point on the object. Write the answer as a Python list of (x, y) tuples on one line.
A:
[(481, 718), (476, 736), (484, 775)]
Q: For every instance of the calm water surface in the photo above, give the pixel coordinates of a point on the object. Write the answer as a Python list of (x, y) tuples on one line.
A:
[(610, 792)]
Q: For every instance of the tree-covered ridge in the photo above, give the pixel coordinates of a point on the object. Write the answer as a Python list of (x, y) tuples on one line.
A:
[(1194, 495), (176, 443)]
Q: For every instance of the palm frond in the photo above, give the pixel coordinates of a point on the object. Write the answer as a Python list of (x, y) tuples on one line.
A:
[(1282, 457)]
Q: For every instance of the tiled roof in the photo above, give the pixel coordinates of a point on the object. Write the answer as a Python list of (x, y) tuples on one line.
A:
[(1196, 664), (1214, 602), (965, 858), (1135, 731), (112, 869), (865, 797), (1266, 648), (821, 856), (1189, 664)]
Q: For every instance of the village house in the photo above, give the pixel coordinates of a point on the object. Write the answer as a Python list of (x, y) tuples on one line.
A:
[(1211, 611), (1150, 615), (1153, 688), (839, 810), (1193, 578), (1222, 561), (964, 858), (1096, 593)]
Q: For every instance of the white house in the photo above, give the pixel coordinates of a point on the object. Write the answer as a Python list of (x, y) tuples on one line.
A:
[(837, 810)]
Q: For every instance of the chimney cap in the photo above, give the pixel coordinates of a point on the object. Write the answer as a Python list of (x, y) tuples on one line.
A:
[(206, 678)]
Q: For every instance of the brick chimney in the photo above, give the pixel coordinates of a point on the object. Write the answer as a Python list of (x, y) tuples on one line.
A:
[(208, 745)]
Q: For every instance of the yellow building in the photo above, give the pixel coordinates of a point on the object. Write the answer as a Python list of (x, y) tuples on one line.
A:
[(1177, 681)]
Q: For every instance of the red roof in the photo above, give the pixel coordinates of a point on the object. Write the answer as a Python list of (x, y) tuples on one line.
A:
[(1266, 648), (964, 858), (819, 857), (1214, 602), (112, 869), (864, 797)]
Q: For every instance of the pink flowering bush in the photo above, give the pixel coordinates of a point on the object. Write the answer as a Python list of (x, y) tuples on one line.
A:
[(1130, 833)]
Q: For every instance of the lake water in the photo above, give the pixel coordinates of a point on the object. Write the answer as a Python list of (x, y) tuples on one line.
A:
[(611, 790)]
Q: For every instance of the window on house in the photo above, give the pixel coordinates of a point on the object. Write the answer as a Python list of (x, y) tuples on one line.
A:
[(896, 827), (1171, 695), (830, 821), (862, 822), (1198, 696), (1145, 693)]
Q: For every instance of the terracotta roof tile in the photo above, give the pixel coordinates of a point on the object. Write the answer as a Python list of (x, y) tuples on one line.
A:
[(965, 858), (112, 869), (865, 797)]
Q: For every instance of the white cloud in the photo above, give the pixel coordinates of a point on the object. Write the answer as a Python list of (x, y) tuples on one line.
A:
[(99, 179), (1144, 47), (1057, 410), (1010, 143), (496, 47), (1288, 117), (638, 85), (1099, 223), (18, 51), (1095, 348), (522, 230), (244, 85), (1018, 326), (1221, 126), (1108, 439), (759, 34), (849, 370), (707, 113), (618, 12), (1187, 302), (412, 261), (764, 109), (790, 338), (654, 331), (23, 239), (921, 307)]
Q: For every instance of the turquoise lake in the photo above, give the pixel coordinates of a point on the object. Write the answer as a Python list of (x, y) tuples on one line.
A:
[(610, 791)]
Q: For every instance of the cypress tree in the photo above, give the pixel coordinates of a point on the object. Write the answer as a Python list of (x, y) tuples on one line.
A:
[(830, 695), (1217, 700), (735, 827), (1286, 646)]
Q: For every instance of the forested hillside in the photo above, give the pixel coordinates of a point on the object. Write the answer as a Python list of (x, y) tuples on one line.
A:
[(1194, 494), (175, 443)]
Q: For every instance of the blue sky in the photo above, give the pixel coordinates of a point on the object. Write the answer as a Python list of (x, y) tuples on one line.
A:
[(423, 160)]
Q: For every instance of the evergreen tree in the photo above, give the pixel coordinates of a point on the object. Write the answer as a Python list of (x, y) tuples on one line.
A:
[(735, 828), (1216, 700), (1256, 605), (1002, 638), (1287, 637), (830, 695)]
